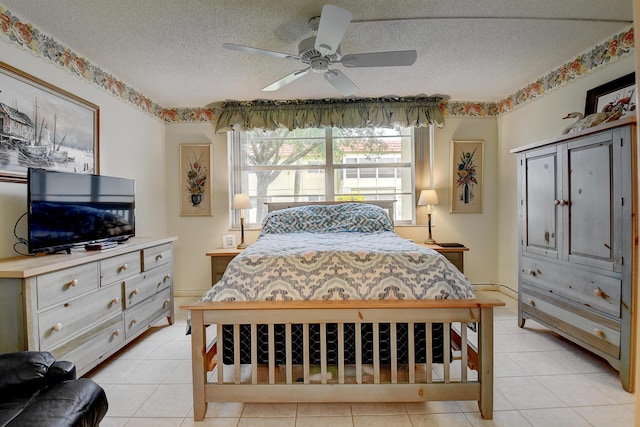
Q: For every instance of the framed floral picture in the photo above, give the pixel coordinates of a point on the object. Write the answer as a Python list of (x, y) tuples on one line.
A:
[(467, 158), (195, 179)]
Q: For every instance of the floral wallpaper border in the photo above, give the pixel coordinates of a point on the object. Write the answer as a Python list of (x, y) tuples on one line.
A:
[(30, 38)]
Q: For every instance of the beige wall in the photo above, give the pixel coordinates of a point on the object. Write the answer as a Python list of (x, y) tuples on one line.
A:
[(197, 234), (538, 120), (131, 146)]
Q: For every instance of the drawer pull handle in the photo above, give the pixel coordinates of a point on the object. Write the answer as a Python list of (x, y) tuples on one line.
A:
[(123, 267), (166, 301), (115, 300), (560, 202), (167, 277), (159, 256), (134, 321), (135, 291), (600, 293), (532, 273), (116, 332), (532, 303), (57, 327), (73, 283), (600, 334)]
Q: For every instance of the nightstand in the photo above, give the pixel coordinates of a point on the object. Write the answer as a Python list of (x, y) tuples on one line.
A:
[(454, 254), (220, 258)]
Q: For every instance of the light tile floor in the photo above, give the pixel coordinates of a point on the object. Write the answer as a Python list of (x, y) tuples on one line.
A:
[(540, 380)]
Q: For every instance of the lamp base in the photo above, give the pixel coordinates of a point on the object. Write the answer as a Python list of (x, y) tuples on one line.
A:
[(242, 246), (430, 242)]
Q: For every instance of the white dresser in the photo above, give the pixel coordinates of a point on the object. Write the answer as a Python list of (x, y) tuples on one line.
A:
[(86, 305)]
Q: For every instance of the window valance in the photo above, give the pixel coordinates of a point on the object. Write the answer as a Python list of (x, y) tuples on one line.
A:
[(415, 111)]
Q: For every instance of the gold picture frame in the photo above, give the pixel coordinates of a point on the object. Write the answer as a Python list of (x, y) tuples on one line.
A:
[(44, 126), (467, 164), (195, 179)]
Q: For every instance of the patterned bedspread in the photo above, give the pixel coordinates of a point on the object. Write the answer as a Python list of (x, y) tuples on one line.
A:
[(363, 264)]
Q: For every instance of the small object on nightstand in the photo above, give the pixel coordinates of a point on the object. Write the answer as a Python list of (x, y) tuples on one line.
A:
[(451, 245)]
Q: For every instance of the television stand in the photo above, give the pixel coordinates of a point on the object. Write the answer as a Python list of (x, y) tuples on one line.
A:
[(86, 306)]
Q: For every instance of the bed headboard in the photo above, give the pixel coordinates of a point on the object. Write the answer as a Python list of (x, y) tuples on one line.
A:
[(387, 205)]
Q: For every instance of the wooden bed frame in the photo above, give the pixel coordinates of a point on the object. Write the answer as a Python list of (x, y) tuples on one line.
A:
[(377, 382)]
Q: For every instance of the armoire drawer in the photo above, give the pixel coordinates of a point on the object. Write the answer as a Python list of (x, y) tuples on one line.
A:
[(141, 315), (120, 267), (142, 286), (61, 285), (156, 256), (598, 331), (594, 290), (62, 322)]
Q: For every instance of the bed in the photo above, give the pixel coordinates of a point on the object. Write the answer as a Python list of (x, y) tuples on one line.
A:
[(331, 305)]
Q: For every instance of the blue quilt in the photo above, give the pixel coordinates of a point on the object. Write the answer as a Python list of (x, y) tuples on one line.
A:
[(336, 252)]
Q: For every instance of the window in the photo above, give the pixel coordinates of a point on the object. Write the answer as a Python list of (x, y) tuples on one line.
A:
[(323, 164)]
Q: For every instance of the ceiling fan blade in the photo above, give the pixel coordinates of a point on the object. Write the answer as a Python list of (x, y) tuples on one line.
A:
[(333, 24), (253, 50), (286, 80), (341, 82), (380, 59)]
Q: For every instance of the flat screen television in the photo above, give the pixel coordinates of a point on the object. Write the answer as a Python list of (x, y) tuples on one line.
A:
[(67, 210)]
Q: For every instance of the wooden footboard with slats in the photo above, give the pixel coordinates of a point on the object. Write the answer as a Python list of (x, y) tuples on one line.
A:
[(468, 377)]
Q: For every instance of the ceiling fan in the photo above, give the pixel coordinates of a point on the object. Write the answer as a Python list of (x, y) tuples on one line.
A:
[(323, 50)]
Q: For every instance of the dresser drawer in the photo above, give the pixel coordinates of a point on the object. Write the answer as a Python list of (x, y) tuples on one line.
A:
[(58, 286), (142, 315), (157, 255), (142, 286), (597, 291), (597, 331), (62, 322), (120, 267), (90, 346)]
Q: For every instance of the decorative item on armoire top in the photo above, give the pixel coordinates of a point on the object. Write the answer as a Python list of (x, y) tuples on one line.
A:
[(429, 198), (195, 166), (45, 127), (591, 120), (467, 158), (242, 202)]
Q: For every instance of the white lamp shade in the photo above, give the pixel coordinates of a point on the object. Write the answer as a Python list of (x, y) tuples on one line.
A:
[(241, 201), (428, 197)]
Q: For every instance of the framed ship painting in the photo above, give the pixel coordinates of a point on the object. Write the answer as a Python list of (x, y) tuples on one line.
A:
[(467, 159), (45, 127)]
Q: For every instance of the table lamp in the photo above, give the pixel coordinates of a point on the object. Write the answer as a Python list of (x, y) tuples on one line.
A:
[(242, 202), (428, 198)]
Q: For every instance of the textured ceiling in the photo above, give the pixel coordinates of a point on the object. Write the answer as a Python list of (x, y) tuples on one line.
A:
[(171, 51)]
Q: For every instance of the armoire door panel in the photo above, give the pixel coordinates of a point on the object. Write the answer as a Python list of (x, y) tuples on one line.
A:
[(541, 193)]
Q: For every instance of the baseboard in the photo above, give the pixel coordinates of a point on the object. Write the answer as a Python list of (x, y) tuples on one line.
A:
[(495, 287), (189, 293)]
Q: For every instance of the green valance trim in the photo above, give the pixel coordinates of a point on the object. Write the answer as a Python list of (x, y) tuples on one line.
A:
[(416, 111)]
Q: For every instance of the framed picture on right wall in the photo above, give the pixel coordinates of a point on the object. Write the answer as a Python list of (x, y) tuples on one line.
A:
[(467, 158), (620, 94)]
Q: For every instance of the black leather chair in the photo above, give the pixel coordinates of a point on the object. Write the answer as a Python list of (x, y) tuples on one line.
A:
[(37, 390)]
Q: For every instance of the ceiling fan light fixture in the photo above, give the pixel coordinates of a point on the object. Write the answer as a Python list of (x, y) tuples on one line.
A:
[(319, 65)]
